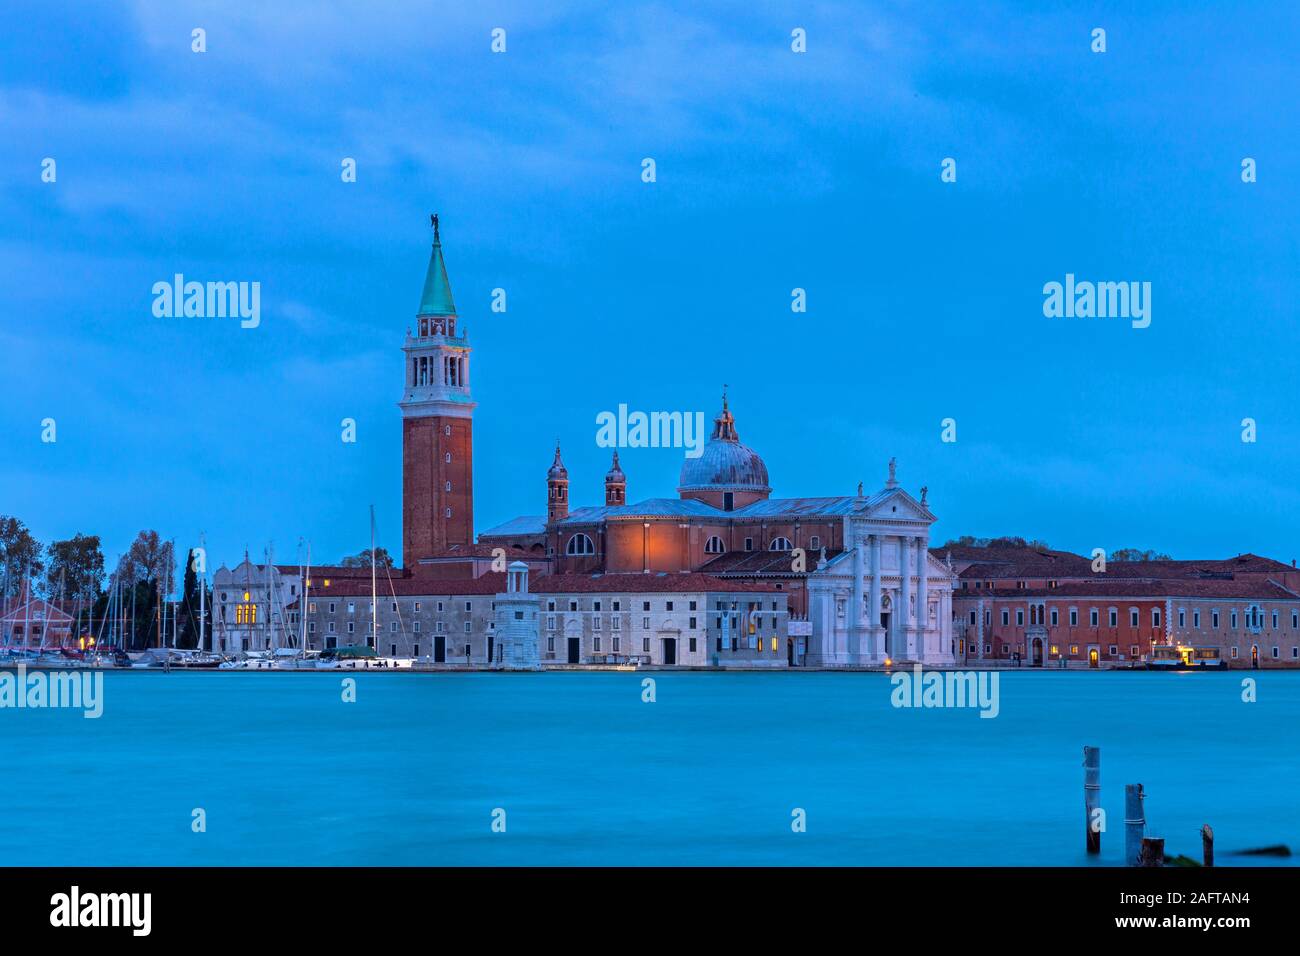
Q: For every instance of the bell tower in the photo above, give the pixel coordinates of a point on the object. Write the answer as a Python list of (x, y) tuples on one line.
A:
[(437, 423)]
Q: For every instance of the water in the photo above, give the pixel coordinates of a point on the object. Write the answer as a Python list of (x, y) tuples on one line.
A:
[(589, 774)]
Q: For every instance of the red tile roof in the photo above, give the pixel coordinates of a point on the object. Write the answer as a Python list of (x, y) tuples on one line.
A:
[(1150, 590), (495, 583)]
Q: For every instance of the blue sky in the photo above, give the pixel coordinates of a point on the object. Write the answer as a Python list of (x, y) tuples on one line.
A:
[(775, 170)]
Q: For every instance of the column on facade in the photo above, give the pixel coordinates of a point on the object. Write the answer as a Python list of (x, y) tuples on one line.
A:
[(855, 615), (922, 597), (873, 604), (904, 615)]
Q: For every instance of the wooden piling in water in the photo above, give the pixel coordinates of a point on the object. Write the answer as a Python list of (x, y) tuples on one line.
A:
[(1092, 798), (1153, 852), (1134, 823), (1207, 845)]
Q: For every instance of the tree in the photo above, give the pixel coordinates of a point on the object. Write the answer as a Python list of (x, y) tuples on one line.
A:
[(190, 606), (362, 560), (148, 559), (75, 569), (20, 555), (970, 541), (1137, 554)]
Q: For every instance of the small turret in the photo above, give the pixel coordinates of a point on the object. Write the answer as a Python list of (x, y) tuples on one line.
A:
[(557, 488), (615, 485)]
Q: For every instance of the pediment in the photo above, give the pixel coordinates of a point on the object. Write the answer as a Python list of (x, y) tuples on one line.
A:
[(895, 504)]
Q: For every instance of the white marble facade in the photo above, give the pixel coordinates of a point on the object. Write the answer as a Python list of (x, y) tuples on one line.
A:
[(863, 603)]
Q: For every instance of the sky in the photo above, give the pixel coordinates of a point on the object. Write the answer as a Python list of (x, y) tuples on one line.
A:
[(775, 170)]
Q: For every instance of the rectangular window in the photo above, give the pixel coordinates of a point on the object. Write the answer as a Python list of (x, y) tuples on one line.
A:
[(617, 604), (645, 623), (616, 623), (1133, 617), (1074, 617), (595, 605), (645, 644), (550, 644), (1006, 617), (1234, 618), (467, 627), (468, 607), (550, 622), (1275, 620), (1093, 618), (416, 627), (595, 623), (1020, 617), (417, 607), (692, 606), (1133, 650), (1114, 618), (596, 642), (749, 544), (692, 642), (1114, 650), (692, 625), (645, 605), (1155, 617), (668, 605), (973, 622), (1055, 617), (1182, 618)]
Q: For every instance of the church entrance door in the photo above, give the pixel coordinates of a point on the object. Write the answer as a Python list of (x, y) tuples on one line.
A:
[(670, 650), (1037, 658), (575, 650)]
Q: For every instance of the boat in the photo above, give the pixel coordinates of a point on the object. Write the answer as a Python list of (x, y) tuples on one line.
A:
[(1183, 657)]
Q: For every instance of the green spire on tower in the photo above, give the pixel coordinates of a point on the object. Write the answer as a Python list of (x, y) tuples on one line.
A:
[(436, 297)]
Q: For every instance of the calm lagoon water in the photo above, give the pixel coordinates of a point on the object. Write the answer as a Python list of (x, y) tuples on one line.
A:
[(589, 774)]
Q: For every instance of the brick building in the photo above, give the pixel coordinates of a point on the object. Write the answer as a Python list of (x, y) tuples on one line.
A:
[(1045, 606)]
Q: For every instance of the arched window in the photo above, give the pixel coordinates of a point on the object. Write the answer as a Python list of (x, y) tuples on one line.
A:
[(580, 544), (780, 544), (715, 546)]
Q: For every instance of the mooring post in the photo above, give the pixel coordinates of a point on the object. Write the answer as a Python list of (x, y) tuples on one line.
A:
[(1092, 798), (1153, 851), (1207, 845), (1134, 823)]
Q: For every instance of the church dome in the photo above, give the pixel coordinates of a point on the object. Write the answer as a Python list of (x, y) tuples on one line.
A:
[(726, 464)]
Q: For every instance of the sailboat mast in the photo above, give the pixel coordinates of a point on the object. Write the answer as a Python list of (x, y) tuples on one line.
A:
[(374, 586), (302, 609), (202, 590)]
